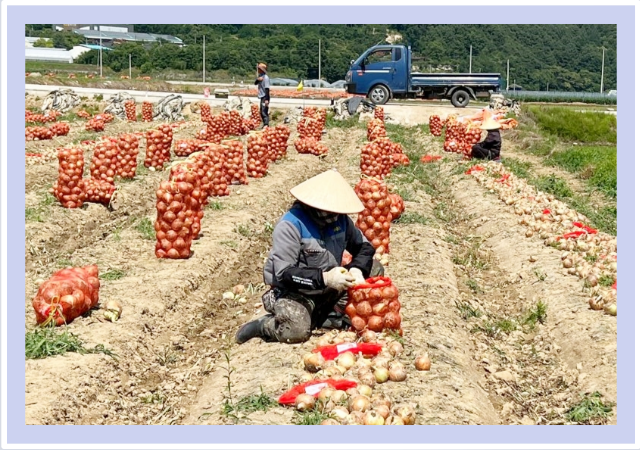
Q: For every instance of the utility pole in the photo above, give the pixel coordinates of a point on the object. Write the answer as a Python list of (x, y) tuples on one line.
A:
[(129, 65), (100, 31), (470, 56), (602, 76), (203, 66), (507, 75), (319, 63)]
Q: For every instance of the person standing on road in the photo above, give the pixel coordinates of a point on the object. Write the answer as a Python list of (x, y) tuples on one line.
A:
[(307, 284), (490, 147), (264, 84)]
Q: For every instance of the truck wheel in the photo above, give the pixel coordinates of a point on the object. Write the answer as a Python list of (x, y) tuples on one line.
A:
[(379, 94), (460, 98)]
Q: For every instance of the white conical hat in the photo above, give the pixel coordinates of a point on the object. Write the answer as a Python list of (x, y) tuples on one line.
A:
[(490, 124), (328, 192)]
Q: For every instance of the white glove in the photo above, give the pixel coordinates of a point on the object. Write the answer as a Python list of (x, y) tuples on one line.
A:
[(357, 274), (338, 278)]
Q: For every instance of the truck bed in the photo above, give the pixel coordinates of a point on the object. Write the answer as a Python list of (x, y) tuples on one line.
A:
[(445, 79)]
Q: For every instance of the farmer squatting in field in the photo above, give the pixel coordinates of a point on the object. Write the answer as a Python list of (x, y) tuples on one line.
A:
[(308, 285), (490, 147)]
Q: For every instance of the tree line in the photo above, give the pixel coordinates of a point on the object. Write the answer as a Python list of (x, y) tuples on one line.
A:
[(541, 57)]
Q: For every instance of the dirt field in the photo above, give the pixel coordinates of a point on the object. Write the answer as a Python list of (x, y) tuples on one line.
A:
[(176, 361)]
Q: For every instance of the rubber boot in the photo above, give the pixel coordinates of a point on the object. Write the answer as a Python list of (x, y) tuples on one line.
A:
[(253, 329)]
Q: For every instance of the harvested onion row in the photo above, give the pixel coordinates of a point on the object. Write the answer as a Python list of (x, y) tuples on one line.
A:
[(158, 146), (69, 189), (375, 220)]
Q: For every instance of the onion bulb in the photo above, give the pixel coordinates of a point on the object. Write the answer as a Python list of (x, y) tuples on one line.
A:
[(591, 280), (611, 309), (305, 402), (381, 374), (325, 395), (382, 410), (368, 378), (365, 390), (329, 422), (394, 420), (406, 413), (422, 362), (359, 403), (373, 418), (357, 417), (347, 360), (305, 377), (397, 373), (339, 396), (381, 399), (396, 348), (313, 362), (368, 336), (340, 413)]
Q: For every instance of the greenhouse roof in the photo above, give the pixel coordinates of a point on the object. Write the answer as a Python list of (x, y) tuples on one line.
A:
[(134, 37)]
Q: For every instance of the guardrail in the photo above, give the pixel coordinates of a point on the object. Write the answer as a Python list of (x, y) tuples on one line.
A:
[(560, 96)]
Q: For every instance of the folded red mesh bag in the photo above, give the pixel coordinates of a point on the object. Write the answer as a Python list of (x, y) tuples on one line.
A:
[(332, 351), (314, 387), (69, 293), (474, 169)]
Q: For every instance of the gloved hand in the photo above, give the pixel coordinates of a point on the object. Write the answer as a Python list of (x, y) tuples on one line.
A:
[(338, 278), (357, 274)]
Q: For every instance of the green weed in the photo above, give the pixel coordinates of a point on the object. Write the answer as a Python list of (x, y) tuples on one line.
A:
[(252, 403), (467, 311), (243, 230), (473, 286), (412, 217), (215, 205), (43, 342), (537, 315), (146, 229), (553, 185), (606, 280), (112, 274), (591, 410)]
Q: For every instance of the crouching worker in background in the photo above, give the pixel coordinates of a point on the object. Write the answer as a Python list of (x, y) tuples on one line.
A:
[(308, 285), (490, 147)]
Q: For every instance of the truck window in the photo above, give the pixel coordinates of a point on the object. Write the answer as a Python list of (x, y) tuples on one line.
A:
[(379, 56), (396, 54)]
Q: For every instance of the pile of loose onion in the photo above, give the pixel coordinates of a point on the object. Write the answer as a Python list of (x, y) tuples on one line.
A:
[(69, 189), (257, 155), (233, 165), (397, 206), (105, 157), (147, 111), (98, 191), (376, 130), (185, 147), (375, 220), (378, 113), (158, 147), (374, 309), (130, 110), (127, 159), (37, 133), (589, 256), (435, 125), (60, 128), (94, 124), (83, 114), (176, 209), (235, 124)]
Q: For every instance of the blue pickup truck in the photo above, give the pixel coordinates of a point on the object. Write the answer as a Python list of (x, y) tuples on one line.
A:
[(384, 71)]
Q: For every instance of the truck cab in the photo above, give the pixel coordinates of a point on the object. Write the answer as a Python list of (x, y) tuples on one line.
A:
[(383, 72)]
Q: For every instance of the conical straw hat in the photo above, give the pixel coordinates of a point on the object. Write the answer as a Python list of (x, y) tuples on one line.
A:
[(490, 124), (328, 192)]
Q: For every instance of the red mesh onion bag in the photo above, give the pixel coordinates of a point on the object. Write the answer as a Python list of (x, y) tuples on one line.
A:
[(235, 123), (374, 306), (375, 220), (147, 111), (60, 129), (257, 155), (69, 189), (185, 147), (376, 129), (105, 158), (158, 147), (69, 293), (98, 191), (233, 162), (94, 124), (37, 133), (127, 159), (435, 125), (130, 110), (378, 113), (397, 206), (282, 133), (205, 112)]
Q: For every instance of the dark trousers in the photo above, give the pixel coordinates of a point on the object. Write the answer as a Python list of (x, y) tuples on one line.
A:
[(479, 152), (264, 112), (293, 316)]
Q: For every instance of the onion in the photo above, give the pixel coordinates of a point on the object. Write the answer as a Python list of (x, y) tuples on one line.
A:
[(591, 280), (305, 377), (382, 410), (305, 402), (368, 378), (359, 403), (325, 394), (368, 336), (611, 309), (381, 374), (422, 362), (365, 390), (329, 422), (394, 420), (313, 362), (352, 392), (396, 348), (380, 361), (406, 413), (340, 412), (339, 396), (381, 399), (357, 417), (373, 418), (397, 373), (347, 360), (363, 363)]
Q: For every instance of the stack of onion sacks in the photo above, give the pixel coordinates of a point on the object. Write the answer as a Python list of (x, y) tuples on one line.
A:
[(94, 124), (105, 157), (378, 113), (147, 111), (177, 207), (185, 147), (233, 167), (69, 189), (158, 147), (60, 129), (375, 220), (98, 191), (375, 130), (130, 110), (37, 133), (435, 125), (374, 306), (127, 159), (257, 155)]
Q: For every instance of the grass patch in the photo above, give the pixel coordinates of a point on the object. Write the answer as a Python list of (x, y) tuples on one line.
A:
[(312, 417), (350, 122), (253, 403), (467, 311), (112, 275), (493, 329), (540, 274), (473, 286), (585, 127), (519, 168), (598, 165), (230, 244), (537, 315), (470, 256), (243, 230), (215, 205), (591, 410), (412, 217), (146, 229), (553, 185), (39, 212), (43, 342)]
